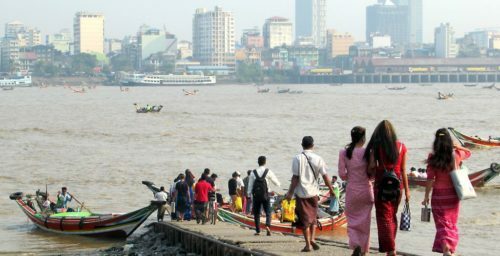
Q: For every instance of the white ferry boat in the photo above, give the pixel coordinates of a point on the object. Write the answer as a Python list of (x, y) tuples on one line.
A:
[(20, 81), (166, 80)]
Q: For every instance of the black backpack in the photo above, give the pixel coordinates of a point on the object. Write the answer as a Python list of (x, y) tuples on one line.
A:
[(389, 186), (259, 189)]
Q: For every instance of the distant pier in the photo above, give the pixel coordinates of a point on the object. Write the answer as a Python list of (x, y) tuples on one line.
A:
[(401, 78), (225, 239)]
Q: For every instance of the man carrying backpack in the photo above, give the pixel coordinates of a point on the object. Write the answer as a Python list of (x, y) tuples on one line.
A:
[(259, 191)]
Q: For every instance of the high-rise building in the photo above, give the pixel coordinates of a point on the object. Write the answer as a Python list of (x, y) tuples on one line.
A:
[(415, 7), (213, 37), (482, 38), (61, 41), (26, 36), (400, 19), (13, 28), (444, 41), (337, 43), (389, 20), (310, 20), (88, 29), (277, 31)]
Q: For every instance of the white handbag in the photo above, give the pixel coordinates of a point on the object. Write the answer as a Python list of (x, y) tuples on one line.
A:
[(461, 182)]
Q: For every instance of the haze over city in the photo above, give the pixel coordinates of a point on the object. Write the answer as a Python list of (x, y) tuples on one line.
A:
[(123, 17)]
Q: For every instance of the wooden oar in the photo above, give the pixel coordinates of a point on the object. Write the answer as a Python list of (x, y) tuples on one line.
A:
[(81, 204)]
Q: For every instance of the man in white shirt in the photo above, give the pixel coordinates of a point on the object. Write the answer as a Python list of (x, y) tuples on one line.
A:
[(258, 180), (161, 196), (307, 167)]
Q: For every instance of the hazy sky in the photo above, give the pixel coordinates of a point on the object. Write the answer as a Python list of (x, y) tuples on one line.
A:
[(123, 17)]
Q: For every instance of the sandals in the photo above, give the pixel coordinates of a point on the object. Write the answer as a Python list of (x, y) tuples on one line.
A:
[(357, 251), (306, 249), (315, 246)]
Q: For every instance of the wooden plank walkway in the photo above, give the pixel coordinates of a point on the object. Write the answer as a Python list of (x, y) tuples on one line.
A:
[(230, 239)]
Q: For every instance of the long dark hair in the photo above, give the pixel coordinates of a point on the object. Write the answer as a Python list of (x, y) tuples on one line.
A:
[(442, 155), (357, 135), (383, 138), (189, 177)]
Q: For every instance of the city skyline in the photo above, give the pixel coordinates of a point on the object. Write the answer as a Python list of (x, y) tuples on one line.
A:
[(118, 21)]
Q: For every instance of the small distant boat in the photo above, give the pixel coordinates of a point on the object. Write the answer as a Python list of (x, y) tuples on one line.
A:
[(190, 93), (8, 88), (79, 91), (148, 109), (336, 84), (264, 90), (124, 89), (491, 86), (478, 179), (296, 92), (474, 141), (396, 88), (470, 85), (442, 96), (283, 90), (426, 84)]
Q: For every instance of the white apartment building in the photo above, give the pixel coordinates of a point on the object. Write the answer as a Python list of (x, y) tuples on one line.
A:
[(26, 36), (88, 29), (61, 41), (444, 41), (213, 37), (277, 31)]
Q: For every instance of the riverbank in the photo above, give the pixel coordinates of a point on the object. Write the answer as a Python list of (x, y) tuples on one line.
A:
[(149, 243)]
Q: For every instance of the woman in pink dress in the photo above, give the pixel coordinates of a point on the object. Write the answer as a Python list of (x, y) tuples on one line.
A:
[(445, 203), (359, 192)]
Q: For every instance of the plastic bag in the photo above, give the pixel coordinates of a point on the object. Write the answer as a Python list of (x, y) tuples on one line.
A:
[(288, 210), (238, 204)]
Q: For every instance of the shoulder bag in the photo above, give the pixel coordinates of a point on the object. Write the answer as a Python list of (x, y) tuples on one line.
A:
[(461, 181)]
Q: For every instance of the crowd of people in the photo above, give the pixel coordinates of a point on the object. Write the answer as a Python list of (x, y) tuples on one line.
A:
[(375, 174)]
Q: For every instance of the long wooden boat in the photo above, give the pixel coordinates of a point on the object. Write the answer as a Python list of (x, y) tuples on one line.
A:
[(469, 141), (478, 179), (84, 222), (327, 223)]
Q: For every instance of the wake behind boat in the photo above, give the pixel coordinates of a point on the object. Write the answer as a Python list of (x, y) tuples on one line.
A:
[(81, 222)]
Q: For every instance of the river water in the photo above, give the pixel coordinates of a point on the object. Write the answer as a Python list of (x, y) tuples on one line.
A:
[(97, 146)]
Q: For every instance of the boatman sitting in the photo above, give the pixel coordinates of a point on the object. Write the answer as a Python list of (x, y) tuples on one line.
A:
[(63, 197), (161, 196)]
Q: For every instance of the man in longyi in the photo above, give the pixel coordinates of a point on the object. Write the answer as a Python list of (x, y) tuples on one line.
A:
[(306, 169)]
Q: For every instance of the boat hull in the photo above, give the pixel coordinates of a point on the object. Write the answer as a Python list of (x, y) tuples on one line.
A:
[(117, 225), (472, 142), (326, 224), (478, 179)]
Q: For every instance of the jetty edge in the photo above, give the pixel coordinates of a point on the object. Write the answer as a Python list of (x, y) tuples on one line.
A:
[(230, 239)]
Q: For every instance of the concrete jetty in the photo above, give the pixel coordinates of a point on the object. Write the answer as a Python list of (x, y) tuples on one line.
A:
[(229, 239)]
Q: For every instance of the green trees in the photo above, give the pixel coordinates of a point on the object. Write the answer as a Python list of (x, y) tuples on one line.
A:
[(249, 72), (122, 62), (83, 62)]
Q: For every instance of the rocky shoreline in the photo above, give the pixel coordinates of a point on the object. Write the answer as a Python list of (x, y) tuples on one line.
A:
[(149, 243)]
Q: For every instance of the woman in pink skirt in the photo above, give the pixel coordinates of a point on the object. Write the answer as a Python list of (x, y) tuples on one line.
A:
[(445, 203), (359, 192)]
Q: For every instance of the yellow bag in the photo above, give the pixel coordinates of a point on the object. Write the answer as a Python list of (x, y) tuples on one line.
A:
[(288, 210), (238, 204)]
